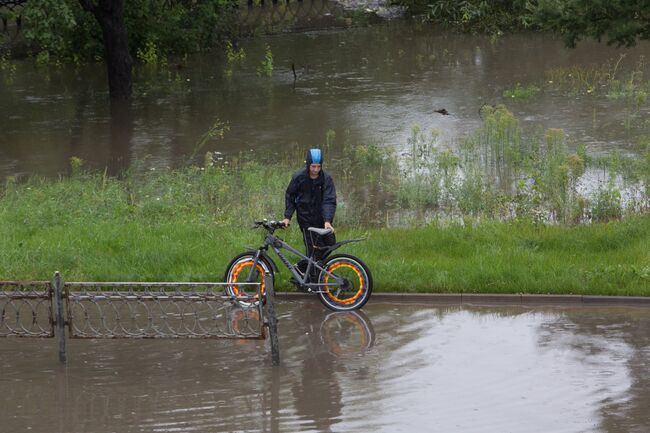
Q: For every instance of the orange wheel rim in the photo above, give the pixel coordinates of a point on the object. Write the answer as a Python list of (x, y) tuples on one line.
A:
[(238, 269), (356, 270)]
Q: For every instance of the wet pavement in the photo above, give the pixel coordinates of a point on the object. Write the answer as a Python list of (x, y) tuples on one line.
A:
[(392, 368)]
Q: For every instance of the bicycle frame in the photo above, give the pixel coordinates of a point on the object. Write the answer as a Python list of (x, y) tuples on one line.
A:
[(277, 245)]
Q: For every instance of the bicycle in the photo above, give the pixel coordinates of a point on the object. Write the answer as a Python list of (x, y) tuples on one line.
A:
[(343, 281)]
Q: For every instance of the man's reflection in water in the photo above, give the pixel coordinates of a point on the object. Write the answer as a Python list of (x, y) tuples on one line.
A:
[(318, 394)]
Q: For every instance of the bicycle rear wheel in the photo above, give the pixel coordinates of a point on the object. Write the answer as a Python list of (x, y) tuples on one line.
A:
[(357, 287)]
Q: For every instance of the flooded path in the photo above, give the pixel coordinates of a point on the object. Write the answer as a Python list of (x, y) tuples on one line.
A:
[(395, 368)]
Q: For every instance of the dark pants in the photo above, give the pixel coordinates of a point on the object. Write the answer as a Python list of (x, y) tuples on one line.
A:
[(316, 244)]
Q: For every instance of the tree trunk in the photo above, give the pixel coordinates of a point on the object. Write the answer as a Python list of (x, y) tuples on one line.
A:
[(110, 16)]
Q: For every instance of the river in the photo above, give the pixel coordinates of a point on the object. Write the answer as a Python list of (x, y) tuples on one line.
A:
[(368, 84)]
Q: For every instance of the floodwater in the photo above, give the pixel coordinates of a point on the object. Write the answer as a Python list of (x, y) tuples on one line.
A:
[(393, 368), (368, 84)]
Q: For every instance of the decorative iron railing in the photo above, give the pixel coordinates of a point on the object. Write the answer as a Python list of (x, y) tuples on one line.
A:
[(26, 309), (159, 310), (135, 310)]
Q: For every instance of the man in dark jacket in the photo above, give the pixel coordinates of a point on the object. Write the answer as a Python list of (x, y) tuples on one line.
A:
[(311, 194)]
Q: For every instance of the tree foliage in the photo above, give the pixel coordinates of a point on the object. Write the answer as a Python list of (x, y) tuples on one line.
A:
[(62, 28), (620, 22)]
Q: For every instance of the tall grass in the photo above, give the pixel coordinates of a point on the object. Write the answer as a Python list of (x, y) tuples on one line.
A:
[(500, 172), (186, 224), (609, 80)]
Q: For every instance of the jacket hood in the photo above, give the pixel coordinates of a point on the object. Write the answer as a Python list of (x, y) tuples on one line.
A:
[(314, 156)]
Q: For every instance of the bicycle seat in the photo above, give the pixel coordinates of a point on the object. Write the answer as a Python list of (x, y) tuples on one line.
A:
[(321, 232)]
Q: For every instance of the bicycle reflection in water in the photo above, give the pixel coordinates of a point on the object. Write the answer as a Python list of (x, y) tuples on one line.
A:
[(344, 333), (327, 354), (347, 333)]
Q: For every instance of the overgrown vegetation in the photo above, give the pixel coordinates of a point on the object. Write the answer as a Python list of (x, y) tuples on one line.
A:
[(522, 92), (185, 225), (266, 66), (628, 86), (619, 22), (501, 172), (62, 29), (483, 218), (494, 17)]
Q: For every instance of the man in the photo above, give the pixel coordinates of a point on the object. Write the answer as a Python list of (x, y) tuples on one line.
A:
[(311, 194)]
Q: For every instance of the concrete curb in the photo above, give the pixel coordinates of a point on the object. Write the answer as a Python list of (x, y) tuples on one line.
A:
[(497, 299)]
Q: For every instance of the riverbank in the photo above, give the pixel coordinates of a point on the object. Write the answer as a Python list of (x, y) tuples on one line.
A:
[(93, 227)]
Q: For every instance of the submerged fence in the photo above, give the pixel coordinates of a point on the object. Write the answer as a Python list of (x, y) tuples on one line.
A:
[(135, 310)]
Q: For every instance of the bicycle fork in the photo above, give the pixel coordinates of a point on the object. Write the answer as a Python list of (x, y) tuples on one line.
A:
[(253, 270)]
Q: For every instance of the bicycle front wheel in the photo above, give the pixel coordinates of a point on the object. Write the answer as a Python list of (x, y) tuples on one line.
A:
[(356, 286), (240, 270)]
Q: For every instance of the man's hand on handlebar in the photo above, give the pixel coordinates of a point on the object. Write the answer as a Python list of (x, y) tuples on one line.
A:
[(286, 222)]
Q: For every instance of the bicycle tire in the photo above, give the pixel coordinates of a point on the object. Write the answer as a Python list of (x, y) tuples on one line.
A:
[(238, 264), (360, 291)]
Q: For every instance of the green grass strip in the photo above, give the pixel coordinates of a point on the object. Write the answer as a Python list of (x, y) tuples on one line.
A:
[(186, 225)]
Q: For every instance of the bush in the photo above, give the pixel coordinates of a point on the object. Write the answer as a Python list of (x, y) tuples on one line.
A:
[(64, 30)]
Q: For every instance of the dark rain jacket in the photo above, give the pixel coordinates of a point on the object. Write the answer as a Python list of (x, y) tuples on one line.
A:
[(313, 200)]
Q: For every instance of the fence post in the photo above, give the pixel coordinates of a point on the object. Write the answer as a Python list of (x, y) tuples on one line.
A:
[(60, 322), (273, 319)]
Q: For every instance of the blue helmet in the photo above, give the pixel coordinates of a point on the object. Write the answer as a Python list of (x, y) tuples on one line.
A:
[(314, 156)]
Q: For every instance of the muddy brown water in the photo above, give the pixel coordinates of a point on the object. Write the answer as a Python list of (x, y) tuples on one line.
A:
[(394, 368), (368, 84)]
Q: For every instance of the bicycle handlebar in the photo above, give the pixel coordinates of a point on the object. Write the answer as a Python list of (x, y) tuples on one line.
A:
[(269, 225)]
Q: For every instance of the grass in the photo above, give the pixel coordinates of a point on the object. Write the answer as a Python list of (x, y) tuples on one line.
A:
[(516, 257), (516, 196), (608, 80), (501, 172), (522, 92), (185, 225)]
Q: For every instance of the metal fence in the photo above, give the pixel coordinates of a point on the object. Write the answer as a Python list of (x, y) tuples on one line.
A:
[(26, 309), (135, 310)]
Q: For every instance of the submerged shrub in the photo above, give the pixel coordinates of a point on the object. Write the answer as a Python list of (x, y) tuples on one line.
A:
[(499, 173), (606, 205), (522, 92), (496, 173)]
